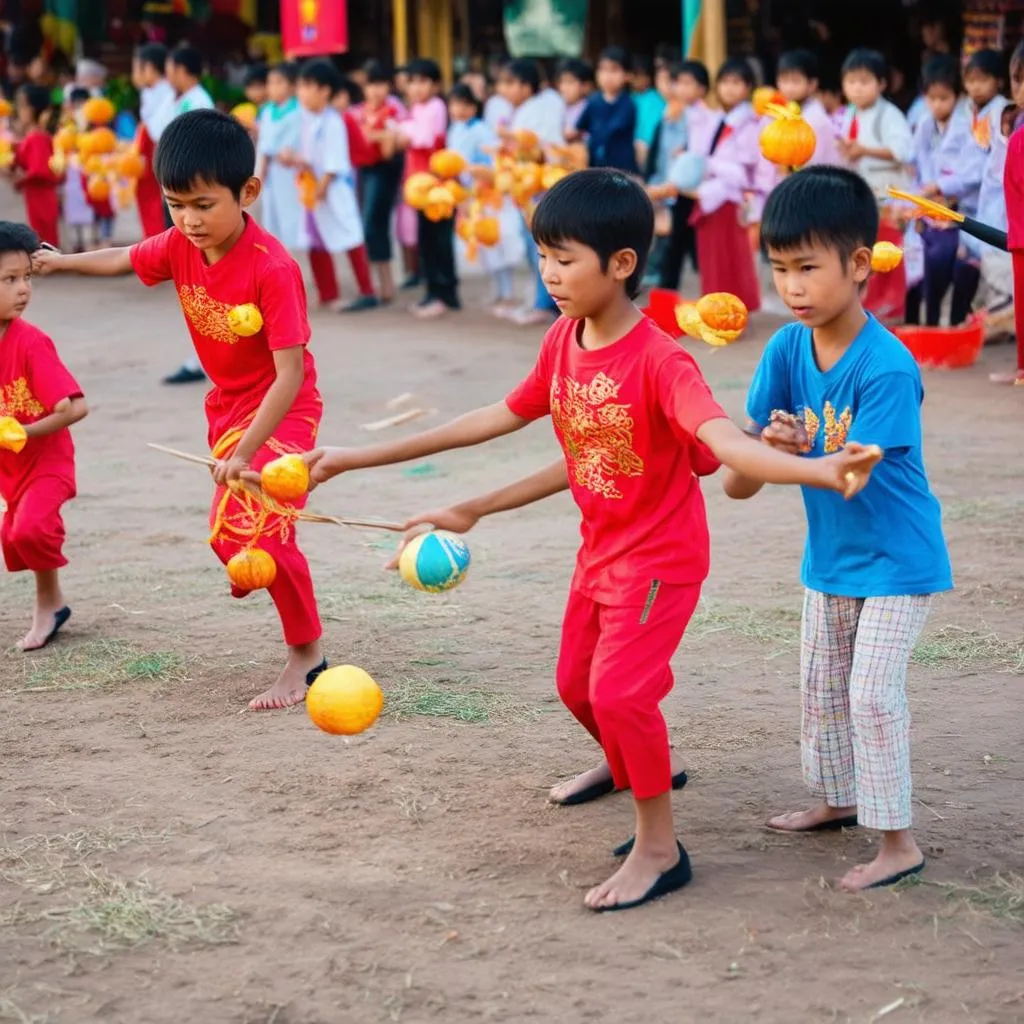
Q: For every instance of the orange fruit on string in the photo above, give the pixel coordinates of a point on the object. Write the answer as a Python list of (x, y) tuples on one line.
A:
[(102, 140), (245, 320), (487, 231), (5, 108), (788, 141), (66, 139), (723, 312), (306, 182), (245, 114), (344, 701), (94, 164), (885, 256), (417, 188), (440, 204), (12, 434), (98, 110), (446, 163), (286, 478), (552, 175), (764, 97), (252, 569), (98, 189), (58, 163), (130, 164)]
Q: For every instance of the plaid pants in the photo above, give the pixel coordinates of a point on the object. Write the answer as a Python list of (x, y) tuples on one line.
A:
[(855, 735)]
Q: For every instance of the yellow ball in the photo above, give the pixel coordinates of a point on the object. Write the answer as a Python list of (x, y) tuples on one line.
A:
[(344, 701), (245, 320)]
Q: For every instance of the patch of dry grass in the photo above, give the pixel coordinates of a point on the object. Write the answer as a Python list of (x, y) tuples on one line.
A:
[(97, 664), (962, 648), (1000, 896), (778, 628), (409, 696)]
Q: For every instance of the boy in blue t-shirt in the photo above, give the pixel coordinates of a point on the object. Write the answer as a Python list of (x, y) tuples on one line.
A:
[(872, 564)]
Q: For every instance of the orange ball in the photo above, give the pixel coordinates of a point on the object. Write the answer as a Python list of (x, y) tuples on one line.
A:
[(344, 701), (788, 142), (252, 569), (286, 478), (723, 311)]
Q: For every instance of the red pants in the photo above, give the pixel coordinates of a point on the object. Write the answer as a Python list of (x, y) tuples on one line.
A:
[(724, 259), (32, 531), (1018, 303), (43, 210), (613, 672), (886, 294), (292, 589), (151, 204), (326, 280)]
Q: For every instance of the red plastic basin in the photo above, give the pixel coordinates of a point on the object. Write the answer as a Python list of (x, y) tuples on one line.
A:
[(946, 348)]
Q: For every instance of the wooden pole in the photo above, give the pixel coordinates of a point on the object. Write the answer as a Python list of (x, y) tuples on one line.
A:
[(714, 31), (400, 30)]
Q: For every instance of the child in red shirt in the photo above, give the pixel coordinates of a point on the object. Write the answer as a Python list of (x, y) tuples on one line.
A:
[(33, 177), (637, 424), (37, 390), (264, 401)]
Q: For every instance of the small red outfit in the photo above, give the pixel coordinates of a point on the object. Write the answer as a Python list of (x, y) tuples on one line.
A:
[(626, 417), (257, 270), (148, 193), (39, 185), (36, 482), (1013, 190)]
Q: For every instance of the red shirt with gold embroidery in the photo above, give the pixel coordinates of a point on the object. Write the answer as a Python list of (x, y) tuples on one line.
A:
[(32, 381), (626, 417), (257, 270)]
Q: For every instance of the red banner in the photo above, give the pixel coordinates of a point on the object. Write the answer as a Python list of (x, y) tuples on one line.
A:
[(310, 28)]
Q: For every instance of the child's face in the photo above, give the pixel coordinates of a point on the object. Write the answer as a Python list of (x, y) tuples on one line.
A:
[(862, 89), (795, 86), (312, 97), (980, 87), (732, 91), (420, 89), (15, 284), (1017, 84), (179, 78), (460, 111), (209, 215), (341, 100), (830, 100), (572, 275), (477, 82), (377, 93), (663, 83), (401, 83), (279, 89), (570, 88), (815, 283), (611, 77), (941, 101), (256, 93), (687, 89), (513, 90), (641, 80)]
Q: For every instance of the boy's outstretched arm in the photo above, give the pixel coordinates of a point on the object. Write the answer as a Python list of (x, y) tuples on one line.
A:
[(847, 471), (66, 413), (779, 435), (102, 263), (463, 517), (473, 428)]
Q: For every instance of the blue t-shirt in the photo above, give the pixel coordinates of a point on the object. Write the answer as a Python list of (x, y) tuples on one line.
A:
[(610, 129), (888, 539)]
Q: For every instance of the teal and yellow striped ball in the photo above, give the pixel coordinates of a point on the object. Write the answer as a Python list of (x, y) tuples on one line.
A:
[(434, 561)]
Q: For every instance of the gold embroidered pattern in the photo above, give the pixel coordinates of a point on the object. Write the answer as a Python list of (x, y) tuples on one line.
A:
[(597, 433), (811, 426), (16, 399), (836, 430), (207, 315)]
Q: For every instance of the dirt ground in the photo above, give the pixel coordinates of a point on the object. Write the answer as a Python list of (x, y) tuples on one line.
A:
[(166, 855)]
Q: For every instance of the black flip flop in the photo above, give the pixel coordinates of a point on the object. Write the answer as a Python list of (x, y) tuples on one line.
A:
[(667, 882), (314, 673), (600, 789), (898, 877), (832, 825), (60, 617)]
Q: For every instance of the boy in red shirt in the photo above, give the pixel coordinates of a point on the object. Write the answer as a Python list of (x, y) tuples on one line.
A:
[(264, 401), (37, 467), (638, 425)]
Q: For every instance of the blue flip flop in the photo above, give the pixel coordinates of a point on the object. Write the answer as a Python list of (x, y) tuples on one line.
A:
[(60, 617), (667, 882)]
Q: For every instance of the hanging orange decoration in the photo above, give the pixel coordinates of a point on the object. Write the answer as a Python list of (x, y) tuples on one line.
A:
[(99, 110), (789, 140), (440, 204), (718, 318), (252, 569), (417, 188), (130, 164), (885, 256), (286, 478), (446, 163), (764, 97), (98, 189)]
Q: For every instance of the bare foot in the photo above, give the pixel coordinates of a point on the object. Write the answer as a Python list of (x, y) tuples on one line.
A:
[(813, 819), (894, 858), (44, 622), (431, 310), (1017, 377), (634, 879), (594, 777), (290, 688)]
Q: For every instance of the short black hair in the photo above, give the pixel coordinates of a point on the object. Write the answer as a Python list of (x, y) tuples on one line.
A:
[(37, 97), (462, 93), (830, 206), (78, 95), (525, 71), (287, 69), (603, 209), (351, 88), (697, 70), (204, 146), (575, 68), (256, 75), (424, 67), (377, 72), (942, 69), (987, 62), (615, 55), (643, 65), (867, 60), (189, 58), (737, 67), (15, 237), (322, 73), (803, 62), (667, 53), (153, 54)]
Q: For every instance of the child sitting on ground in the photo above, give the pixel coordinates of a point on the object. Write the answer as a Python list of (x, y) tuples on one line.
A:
[(37, 390), (871, 565), (637, 424)]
